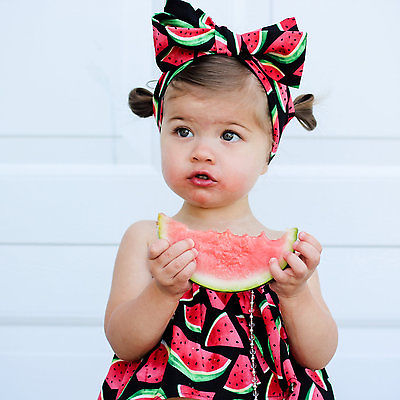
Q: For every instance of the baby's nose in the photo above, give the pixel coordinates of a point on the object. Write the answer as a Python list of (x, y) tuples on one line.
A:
[(203, 151)]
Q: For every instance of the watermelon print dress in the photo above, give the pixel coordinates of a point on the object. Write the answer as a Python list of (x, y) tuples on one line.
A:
[(204, 354)]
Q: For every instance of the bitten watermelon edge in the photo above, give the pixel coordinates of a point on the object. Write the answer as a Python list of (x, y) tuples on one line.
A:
[(227, 262)]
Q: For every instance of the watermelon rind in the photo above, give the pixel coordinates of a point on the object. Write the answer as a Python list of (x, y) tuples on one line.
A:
[(196, 376), (147, 394), (255, 280), (192, 327)]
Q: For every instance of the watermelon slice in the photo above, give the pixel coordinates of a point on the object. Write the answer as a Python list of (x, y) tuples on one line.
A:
[(223, 333), (188, 392), (240, 380), (152, 372), (227, 262), (317, 377), (194, 316), (273, 388), (192, 360)]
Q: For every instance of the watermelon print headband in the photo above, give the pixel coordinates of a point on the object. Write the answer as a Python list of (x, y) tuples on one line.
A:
[(275, 54)]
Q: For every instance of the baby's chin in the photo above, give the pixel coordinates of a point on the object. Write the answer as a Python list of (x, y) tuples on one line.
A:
[(209, 201)]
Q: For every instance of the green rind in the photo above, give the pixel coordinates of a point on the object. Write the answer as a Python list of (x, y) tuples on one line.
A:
[(161, 225), (310, 393), (192, 327), (195, 376), (146, 393), (245, 390), (213, 325)]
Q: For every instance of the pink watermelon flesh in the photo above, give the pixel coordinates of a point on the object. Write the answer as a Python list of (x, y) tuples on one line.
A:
[(194, 316), (240, 379), (316, 376), (151, 372), (188, 392), (227, 262), (223, 333), (273, 388)]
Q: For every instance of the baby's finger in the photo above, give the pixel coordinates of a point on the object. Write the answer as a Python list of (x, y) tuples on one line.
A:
[(308, 253), (157, 247), (186, 273), (180, 262), (298, 267), (276, 271), (175, 250), (306, 237)]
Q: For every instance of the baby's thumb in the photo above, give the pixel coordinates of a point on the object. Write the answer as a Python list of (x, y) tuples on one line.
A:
[(157, 248)]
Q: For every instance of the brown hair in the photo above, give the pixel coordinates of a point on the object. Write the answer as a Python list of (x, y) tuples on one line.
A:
[(218, 73)]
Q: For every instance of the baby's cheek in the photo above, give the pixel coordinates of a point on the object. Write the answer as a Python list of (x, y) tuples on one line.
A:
[(240, 180), (169, 171)]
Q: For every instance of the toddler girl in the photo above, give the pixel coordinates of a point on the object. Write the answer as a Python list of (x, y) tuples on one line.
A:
[(221, 105)]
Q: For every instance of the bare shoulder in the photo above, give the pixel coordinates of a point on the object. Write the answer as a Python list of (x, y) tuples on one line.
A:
[(131, 274), (141, 231)]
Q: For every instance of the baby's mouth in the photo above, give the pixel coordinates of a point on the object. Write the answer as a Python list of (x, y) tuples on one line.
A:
[(202, 178), (203, 175)]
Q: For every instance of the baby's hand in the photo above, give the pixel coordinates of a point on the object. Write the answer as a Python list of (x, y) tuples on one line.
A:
[(172, 265), (291, 281)]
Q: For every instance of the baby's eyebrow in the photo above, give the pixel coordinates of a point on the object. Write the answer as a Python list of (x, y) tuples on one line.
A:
[(233, 123), (191, 119), (179, 118)]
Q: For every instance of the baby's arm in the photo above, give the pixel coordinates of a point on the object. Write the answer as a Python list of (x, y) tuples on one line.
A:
[(311, 330), (140, 306)]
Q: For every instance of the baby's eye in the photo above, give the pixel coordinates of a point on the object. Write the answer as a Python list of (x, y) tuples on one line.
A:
[(230, 136), (183, 132)]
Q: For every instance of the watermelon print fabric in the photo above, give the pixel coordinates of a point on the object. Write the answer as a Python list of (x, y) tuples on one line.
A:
[(204, 354), (275, 54)]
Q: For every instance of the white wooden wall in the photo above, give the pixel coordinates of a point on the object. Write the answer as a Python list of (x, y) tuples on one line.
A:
[(77, 168)]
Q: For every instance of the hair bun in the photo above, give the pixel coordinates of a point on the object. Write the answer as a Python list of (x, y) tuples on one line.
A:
[(303, 105), (141, 102)]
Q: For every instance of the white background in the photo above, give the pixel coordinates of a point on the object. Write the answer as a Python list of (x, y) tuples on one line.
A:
[(77, 168)]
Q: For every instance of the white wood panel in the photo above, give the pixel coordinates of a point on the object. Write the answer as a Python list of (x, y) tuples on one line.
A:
[(66, 66), (346, 63), (55, 284), (366, 365), (236, 14), (340, 206), (61, 285), (135, 147), (57, 149), (47, 363), (360, 285), (58, 361)]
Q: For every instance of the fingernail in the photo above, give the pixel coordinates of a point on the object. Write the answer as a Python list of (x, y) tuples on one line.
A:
[(301, 235), (272, 260), (195, 252), (295, 243), (191, 242)]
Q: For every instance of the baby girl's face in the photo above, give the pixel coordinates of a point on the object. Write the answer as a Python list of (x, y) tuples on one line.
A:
[(214, 145)]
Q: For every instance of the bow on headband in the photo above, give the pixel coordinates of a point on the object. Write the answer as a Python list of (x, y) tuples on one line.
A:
[(275, 54)]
